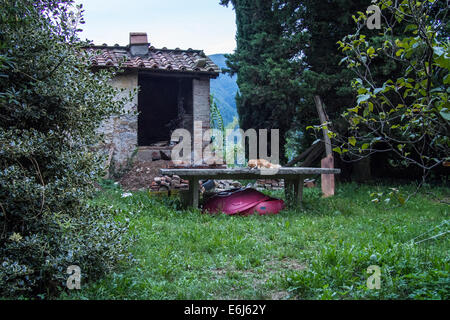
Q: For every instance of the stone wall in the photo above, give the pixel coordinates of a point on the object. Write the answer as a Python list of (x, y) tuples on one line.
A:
[(200, 88), (121, 132), (201, 116)]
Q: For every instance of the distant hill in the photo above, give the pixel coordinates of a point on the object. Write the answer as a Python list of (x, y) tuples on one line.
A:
[(224, 90)]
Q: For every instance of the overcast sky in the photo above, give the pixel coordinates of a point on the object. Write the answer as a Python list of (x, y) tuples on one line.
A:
[(196, 24)]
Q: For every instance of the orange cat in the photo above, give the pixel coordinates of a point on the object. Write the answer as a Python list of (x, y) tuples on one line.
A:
[(261, 163)]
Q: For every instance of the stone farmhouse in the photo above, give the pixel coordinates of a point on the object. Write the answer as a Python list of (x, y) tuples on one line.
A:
[(174, 92)]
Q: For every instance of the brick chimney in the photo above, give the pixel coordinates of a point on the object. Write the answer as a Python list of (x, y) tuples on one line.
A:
[(138, 43)]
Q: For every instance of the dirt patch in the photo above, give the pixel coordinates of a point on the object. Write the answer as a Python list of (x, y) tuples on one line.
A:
[(259, 280), (279, 295), (444, 200), (293, 264), (219, 272), (141, 174), (286, 264)]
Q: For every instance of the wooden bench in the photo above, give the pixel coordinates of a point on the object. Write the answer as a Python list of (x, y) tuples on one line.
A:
[(293, 179)]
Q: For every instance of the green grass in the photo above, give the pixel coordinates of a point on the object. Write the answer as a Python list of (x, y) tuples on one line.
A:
[(320, 252)]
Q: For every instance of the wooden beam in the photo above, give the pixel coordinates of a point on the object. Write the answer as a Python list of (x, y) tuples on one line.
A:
[(327, 179), (314, 156), (323, 119), (328, 161), (305, 154)]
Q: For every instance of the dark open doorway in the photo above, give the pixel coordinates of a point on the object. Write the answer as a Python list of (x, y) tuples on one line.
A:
[(161, 101), (157, 106)]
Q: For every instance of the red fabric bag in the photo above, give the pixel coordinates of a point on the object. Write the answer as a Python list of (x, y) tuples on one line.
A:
[(243, 202)]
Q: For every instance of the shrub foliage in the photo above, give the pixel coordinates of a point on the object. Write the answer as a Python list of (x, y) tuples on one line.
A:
[(408, 114), (50, 106)]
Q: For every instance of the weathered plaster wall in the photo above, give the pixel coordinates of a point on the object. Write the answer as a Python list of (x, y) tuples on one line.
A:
[(121, 132), (201, 115), (200, 88)]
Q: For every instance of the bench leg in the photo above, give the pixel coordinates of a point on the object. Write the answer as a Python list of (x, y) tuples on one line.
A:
[(289, 192), (298, 191), (193, 192), (293, 190)]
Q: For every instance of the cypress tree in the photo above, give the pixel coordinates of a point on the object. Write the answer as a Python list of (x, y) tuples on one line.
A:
[(265, 64)]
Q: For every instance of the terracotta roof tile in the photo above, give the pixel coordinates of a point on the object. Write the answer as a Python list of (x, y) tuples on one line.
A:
[(165, 60)]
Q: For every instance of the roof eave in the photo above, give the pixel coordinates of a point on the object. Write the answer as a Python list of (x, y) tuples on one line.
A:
[(210, 74)]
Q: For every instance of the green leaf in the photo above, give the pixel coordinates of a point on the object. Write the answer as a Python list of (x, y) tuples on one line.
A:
[(439, 51), (447, 79), (343, 60), (410, 27), (355, 109), (352, 141), (445, 115), (378, 90), (363, 98), (443, 62)]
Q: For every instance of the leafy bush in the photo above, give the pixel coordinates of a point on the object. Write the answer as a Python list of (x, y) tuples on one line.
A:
[(51, 104), (406, 116)]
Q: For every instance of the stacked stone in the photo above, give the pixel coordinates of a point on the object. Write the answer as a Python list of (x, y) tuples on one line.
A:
[(274, 184), (165, 183), (223, 185), (269, 184)]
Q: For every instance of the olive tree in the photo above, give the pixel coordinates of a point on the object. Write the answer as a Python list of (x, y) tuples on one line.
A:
[(406, 116)]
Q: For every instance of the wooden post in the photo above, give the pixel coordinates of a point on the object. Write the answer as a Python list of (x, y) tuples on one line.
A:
[(193, 191), (185, 197), (298, 191), (328, 162), (327, 179), (301, 182)]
